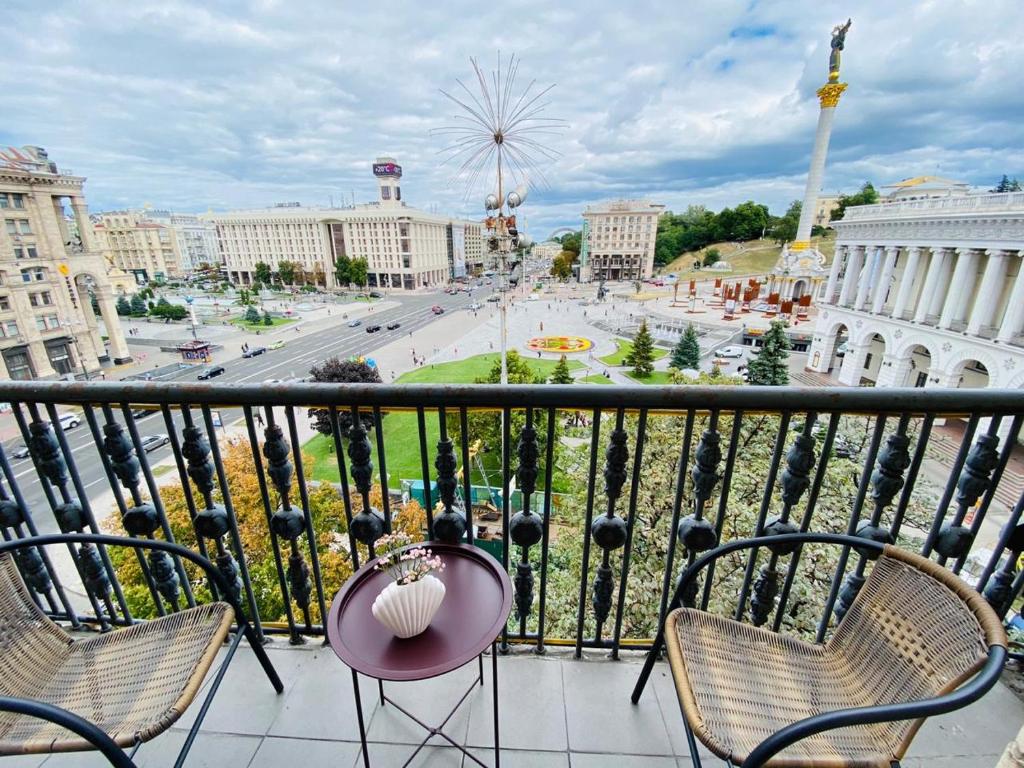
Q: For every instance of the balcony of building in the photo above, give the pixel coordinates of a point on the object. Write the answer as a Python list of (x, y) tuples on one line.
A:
[(653, 463)]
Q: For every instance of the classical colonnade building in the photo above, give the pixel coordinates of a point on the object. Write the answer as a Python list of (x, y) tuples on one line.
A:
[(926, 293)]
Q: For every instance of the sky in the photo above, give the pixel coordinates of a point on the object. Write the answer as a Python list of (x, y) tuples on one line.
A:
[(196, 106)]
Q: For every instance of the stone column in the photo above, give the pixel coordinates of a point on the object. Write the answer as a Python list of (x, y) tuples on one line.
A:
[(988, 292), (833, 274), (119, 353), (854, 262), (864, 287), (935, 286), (853, 364), (882, 285), (893, 372), (85, 231), (1014, 316), (907, 282), (960, 287)]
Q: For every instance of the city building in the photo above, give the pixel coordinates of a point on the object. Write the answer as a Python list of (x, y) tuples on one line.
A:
[(141, 247), (196, 239), (925, 187), (926, 292), (474, 248), (620, 240), (405, 248), (49, 275), (823, 208)]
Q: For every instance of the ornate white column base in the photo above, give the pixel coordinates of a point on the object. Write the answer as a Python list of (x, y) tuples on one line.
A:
[(1013, 757)]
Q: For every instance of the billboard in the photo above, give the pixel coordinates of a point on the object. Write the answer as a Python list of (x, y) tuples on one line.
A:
[(387, 169), (458, 251)]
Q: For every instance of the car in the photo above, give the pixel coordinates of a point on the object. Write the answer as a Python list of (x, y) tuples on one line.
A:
[(141, 413), (372, 328), (437, 309), (209, 373), (279, 344), (533, 297), (394, 326), (841, 349), (271, 381), (254, 351), (731, 351), (376, 295), (21, 452), (494, 297), (354, 323), (68, 420), (152, 442), (475, 305)]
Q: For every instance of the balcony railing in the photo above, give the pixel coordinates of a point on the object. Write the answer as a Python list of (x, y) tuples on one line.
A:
[(1002, 201), (601, 495)]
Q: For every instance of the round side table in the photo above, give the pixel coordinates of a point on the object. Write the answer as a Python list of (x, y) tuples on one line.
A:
[(478, 597)]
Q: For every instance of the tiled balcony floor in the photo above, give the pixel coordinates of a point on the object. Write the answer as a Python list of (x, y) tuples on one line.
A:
[(556, 712)]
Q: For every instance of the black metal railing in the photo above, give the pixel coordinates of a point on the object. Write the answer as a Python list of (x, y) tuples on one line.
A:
[(682, 469)]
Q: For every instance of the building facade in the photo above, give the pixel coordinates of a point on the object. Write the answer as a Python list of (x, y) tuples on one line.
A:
[(926, 292), (142, 248), (823, 208), (405, 248), (196, 240), (620, 239), (49, 275)]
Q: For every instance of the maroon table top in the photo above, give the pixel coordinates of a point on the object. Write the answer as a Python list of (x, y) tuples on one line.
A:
[(478, 597)]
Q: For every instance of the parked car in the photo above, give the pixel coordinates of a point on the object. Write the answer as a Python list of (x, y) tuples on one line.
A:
[(152, 442), (437, 309), (254, 351), (354, 323), (21, 452), (393, 326), (69, 420), (475, 305), (279, 344), (376, 295), (209, 373), (533, 297), (141, 413), (494, 297), (372, 328), (731, 351)]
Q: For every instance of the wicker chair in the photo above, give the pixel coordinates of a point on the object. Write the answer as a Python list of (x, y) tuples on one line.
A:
[(917, 641), (112, 691)]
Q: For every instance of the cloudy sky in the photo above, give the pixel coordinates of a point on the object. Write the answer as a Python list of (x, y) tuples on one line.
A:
[(216, 105)]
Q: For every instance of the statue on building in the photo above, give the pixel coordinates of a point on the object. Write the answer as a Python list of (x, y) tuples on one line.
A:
[(74, 245), (838, 40)]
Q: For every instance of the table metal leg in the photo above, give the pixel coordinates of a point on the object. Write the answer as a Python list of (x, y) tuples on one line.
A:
[(359, 717), (494, 694), (480, 659), (380, 688)]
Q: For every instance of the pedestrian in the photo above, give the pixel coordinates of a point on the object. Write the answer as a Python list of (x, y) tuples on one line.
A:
[(538, 354), (259, 419)]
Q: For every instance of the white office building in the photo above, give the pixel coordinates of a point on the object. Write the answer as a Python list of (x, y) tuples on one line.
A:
[(620, 240), (196, 239)]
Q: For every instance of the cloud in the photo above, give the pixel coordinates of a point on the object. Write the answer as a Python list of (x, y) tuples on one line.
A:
[(191, 106)]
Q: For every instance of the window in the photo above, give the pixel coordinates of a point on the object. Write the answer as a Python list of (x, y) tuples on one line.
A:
[(867, 360), (10, 328), (43, 299), (5, 303), (33, 273)]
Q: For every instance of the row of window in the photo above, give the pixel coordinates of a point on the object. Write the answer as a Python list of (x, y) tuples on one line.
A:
[(25, 252), (18, 227), (39, 299), (12, 200)]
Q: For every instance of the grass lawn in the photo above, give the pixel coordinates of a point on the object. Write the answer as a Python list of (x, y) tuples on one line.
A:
[(275, 321), (656, 377), (469, 370), (751, 258), (625, 347), (595, 380)]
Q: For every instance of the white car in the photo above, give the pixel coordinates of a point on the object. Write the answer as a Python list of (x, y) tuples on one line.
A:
[(731, 351), (475, 305), (69, 420)]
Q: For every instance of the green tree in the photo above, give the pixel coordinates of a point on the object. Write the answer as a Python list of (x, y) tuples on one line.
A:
[(561, 375), (337, 371), (343, 270), (561, 265), (245, 297), (711, 256), (642, 355), (686, 353), (287, 270), (138, 305), (867, 195), (714, 377), (262, 272), (572, 242), (175, 312), (358, 272), (769, 367), (252, 316), (124, 307), (267, 319), (784, 228), (1006, 184)]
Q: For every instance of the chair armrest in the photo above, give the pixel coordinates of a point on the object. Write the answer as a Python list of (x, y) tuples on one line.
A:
[(223, 588), (73, 723), (966, 694)]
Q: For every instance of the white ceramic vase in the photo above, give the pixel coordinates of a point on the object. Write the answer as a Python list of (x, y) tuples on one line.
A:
[(408, 609)]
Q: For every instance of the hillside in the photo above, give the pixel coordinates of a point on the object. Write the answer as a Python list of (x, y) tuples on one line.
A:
[(750, 258)]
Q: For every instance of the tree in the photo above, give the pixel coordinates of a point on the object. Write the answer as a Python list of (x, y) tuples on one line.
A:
[(252, 316), (262, 272), (287, 270), (1006, 185), (571, 242), (642, 355), (561, 375), (769, 367), (138, 305), (711, 256), (245, 297), (358, 271), (784, 228), (343, 270), (867, 195), (123, 306), (337, 371), (686, 353), (561, 265), (267, 319)]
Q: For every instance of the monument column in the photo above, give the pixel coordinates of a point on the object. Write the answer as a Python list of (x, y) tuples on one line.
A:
[(959, 288), (988, 292), (907, 282), (833, 274), (1014, 316), (853, 266), (882, 284)]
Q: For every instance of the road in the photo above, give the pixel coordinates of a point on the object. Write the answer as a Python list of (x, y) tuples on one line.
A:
[(302, 350)]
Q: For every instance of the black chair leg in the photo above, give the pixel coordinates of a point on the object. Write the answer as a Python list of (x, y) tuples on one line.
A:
[(264, 659)]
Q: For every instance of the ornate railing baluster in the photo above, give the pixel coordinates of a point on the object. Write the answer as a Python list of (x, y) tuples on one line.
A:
[(942, 508), (428, 500), (506, 503), (467, 469), (525, 528), (759, 526), (954, 538), (595, 441), (695, 532), (287, 522), (723, 500), (29, 560), (999, 590), (346, 495), (677, 506), (382, 465), (627, 549), (549, 468), (608, 530), (449, 524), (796, 478), (368, 525)]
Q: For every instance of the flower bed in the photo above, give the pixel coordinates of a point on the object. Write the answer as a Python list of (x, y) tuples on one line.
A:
[(562, 344)]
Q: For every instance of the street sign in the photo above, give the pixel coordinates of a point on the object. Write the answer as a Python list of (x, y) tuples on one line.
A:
[(215, 417), (63, 269)]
